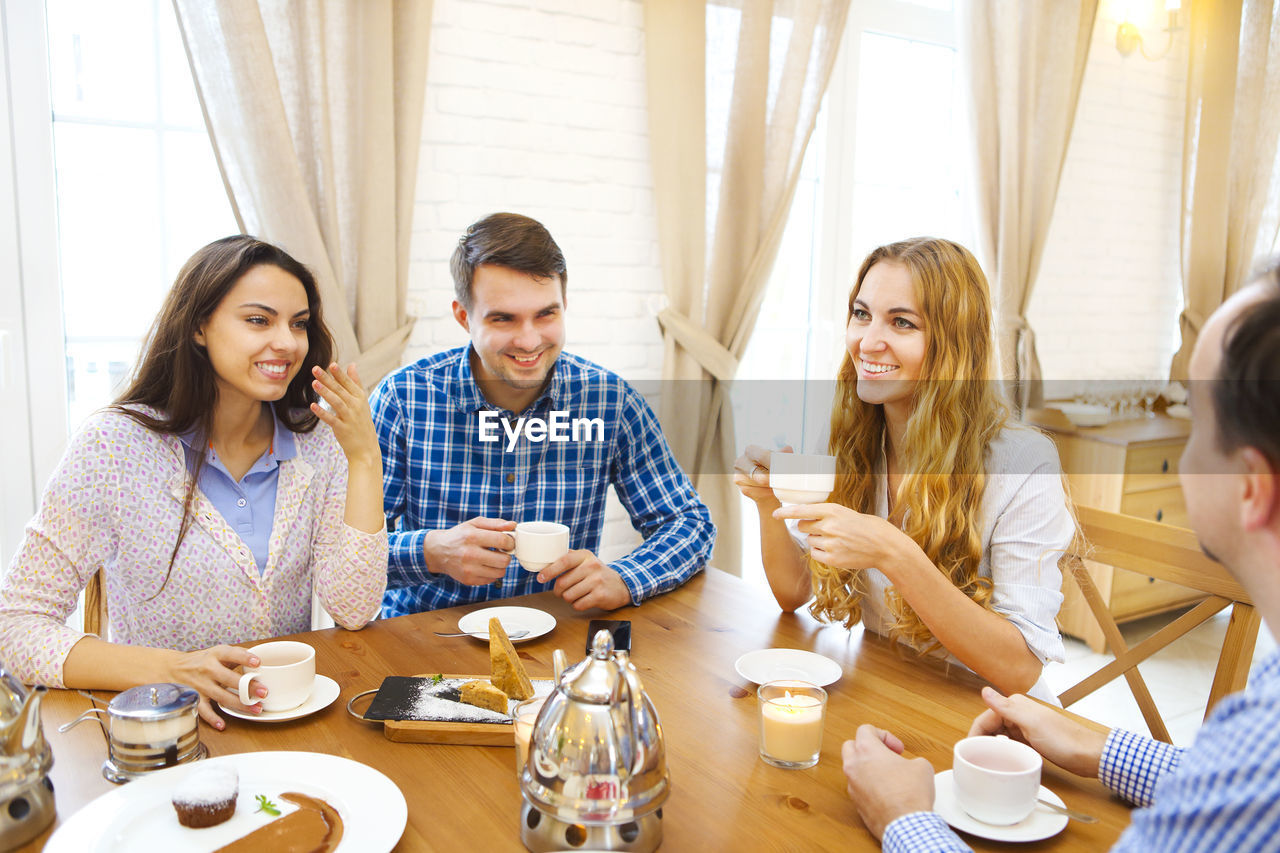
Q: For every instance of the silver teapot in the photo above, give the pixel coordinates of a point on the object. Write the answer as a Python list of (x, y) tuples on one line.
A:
[(26, 794), (596, 777)]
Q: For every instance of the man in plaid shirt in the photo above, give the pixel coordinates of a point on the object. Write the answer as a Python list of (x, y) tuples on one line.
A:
[(511, 429), (1223, 792)]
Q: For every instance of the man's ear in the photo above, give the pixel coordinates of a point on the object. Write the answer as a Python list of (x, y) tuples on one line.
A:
[(460, 314), (1260, 501)]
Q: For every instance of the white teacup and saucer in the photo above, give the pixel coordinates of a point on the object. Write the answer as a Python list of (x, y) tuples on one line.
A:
[(288, 670), (991, 791)]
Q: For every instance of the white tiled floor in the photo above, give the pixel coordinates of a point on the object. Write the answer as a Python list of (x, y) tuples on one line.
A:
[(1179, 676)]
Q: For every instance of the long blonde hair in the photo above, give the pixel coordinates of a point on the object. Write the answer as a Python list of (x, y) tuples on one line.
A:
[(956, 413)]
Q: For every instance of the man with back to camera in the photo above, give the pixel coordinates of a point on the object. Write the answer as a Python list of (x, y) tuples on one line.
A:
[(1223, 792), (510, 428)]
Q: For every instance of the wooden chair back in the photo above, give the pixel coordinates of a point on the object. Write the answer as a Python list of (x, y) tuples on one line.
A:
[(95, 607), (1165, 553)]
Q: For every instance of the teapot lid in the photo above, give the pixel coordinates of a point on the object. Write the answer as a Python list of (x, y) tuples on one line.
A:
[(595, 680), (154, 701)]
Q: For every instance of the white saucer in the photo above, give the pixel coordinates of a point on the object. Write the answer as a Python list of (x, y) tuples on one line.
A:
[(323, 691), (765, 665), (536, 622), (1041, 823)]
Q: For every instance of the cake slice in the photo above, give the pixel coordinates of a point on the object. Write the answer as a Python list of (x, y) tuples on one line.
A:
[(482, 694), (505, 669)]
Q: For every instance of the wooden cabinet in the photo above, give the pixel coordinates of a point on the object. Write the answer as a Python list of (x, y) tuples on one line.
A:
[(1129, 467)]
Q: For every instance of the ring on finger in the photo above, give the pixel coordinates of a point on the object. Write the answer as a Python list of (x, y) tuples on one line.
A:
[(758, 467)]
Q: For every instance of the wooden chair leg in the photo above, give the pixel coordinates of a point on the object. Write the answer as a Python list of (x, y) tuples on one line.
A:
[(1242, 635)]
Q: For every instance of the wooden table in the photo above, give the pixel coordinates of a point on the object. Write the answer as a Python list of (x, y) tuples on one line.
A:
[(723, 797)]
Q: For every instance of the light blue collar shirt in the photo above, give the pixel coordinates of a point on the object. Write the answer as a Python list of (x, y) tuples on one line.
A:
[(248, 505)]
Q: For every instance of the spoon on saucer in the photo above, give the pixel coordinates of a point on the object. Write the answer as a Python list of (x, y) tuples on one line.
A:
[(1071, 813), (514, 635)]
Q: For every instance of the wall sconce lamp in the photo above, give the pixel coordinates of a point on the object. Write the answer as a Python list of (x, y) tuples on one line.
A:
[(1129, 39)]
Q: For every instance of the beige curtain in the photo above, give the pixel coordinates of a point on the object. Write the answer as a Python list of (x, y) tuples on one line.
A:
[(1024, 63), (1230, 171), (315, 112), (784, 54)]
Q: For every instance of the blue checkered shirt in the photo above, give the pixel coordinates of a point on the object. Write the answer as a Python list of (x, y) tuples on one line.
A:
[(437, 473), (1222, 793)]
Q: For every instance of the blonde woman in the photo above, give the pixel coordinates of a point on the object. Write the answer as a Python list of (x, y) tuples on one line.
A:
[(948, 518)]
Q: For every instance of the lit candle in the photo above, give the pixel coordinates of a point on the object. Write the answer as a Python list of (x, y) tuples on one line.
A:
[(525, 715), (791, 724)]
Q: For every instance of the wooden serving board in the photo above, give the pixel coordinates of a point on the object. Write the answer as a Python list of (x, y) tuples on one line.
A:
[(467, 734)]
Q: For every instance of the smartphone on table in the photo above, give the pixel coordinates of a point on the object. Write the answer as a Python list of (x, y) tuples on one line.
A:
[(619, 628)]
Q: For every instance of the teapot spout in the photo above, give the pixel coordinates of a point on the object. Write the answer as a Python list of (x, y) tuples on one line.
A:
[(25, 729)]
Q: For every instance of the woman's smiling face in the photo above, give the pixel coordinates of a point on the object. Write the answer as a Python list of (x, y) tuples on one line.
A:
[(886, 336), (256, 338)]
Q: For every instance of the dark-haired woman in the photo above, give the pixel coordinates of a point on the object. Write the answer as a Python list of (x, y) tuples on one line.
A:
[(214, 496)]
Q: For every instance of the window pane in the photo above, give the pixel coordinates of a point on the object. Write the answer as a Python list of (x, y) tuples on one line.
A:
[(908, 166), (102, 59), (179, 106), (196, 209)]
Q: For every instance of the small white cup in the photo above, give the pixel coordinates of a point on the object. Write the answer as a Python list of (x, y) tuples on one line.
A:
[(996, 779), (287, 670), (540, 543), (802, 478)]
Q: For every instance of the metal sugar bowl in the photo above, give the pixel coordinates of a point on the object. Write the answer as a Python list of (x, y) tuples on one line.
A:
[(26, 794), (150, 727), (597, 776)]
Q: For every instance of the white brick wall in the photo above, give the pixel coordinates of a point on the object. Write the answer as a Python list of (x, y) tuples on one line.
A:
[(538, 107), (1107, 299)]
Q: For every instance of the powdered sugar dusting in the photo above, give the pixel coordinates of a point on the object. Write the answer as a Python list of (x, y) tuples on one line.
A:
[(205, 786), (424, 702)]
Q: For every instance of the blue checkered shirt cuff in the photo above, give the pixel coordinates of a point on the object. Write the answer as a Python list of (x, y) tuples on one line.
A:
[(920, 831), (1132, 764)]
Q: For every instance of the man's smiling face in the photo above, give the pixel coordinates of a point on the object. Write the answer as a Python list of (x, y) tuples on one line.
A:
[(516, 323)]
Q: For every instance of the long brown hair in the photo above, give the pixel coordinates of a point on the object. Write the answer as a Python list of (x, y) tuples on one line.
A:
[(956, 413), (173, 375)]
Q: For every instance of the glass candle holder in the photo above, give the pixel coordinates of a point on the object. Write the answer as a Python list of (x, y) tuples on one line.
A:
[(791, 719), (523, 718)]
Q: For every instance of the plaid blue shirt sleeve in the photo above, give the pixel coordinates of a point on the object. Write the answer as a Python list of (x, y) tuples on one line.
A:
[(1131, 765), (664, 508), (921, 831)]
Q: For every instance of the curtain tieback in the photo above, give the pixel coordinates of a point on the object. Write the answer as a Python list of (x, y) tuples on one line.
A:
[(710, 353)]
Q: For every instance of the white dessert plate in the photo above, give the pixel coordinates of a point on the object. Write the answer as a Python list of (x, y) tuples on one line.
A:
[(1041, 823), (767, 665), (536, 622), (323, 691), (140, 815)]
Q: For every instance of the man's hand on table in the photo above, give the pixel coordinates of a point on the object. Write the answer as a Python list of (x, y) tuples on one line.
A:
[(883, 784), (1067, 743), (585, 582), (474, 553)]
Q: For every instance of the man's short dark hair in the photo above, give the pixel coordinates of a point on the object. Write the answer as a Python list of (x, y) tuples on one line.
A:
[(1246, 394), (506, 240)]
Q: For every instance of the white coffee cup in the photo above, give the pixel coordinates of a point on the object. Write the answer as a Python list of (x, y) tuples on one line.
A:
[(540, 543), (996, 779), (287, 669), (802, 478)]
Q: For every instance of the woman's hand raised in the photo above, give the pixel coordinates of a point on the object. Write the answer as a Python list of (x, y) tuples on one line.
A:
[(846, 539), (348, 414), (751, 474)]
